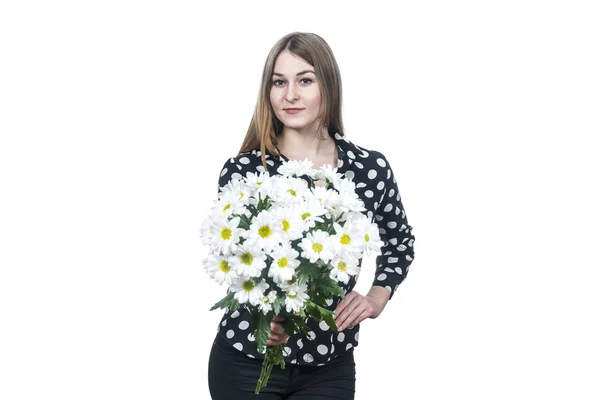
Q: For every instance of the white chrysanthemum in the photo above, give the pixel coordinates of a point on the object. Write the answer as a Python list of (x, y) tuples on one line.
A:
[(349, 199), (311, 211), (289, 191), (285, 262), (329, 199), (247, 290), (248, 261), (296, 168), (347, 239), (295, 297), (266, 303), (218, 268), (260, 184), (292, 225), (228, 203), (317, 246), (343, 268), (370, 233), (329, 174), (238, 189), (224, 235), (265, 231)]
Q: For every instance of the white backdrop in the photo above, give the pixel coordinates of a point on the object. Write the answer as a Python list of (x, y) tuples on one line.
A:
[(115, 120)]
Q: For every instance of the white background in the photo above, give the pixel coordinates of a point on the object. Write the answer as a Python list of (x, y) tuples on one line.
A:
[(117, 116)]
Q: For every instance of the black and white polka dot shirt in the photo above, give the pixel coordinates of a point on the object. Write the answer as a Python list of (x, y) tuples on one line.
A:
[(377, 187)]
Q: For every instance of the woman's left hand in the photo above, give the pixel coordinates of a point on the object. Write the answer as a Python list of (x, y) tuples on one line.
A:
[(355, 308)]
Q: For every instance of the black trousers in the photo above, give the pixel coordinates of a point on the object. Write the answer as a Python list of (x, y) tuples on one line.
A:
[(232, 376)]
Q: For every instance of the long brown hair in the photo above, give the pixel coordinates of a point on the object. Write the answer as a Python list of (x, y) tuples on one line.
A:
[(264, 126)]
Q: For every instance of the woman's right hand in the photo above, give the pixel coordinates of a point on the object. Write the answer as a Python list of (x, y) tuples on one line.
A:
[(278, 335)]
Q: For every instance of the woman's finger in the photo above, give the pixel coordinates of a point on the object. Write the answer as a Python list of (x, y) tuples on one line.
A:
[(352, 315), (344, 303), (356, 319), (277, 328), (341, 318)]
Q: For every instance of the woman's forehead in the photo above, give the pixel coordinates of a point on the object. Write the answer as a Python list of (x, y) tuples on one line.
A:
[(290, 64)]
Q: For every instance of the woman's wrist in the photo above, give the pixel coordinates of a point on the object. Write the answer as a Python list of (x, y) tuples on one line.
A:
[(379, 296)]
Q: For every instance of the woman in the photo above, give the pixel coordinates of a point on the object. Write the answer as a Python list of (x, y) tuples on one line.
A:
[(297, 117)]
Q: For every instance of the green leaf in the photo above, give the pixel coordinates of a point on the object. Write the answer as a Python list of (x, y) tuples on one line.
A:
[(228, 302), (321, 314), (278, 305), (262, 329)]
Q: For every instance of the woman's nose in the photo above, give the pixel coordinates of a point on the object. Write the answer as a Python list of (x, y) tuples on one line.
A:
[(291, 94)]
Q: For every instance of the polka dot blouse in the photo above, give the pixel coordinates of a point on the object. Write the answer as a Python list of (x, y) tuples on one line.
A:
[(376, 186)]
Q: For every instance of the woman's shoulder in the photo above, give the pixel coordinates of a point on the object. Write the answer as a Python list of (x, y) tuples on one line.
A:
[(367, 157), (237, 166)]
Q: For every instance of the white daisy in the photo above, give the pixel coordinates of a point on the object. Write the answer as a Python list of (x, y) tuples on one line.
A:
[(317, 246), (329, 199), (265, 231), (292, 225), (329, 174), (218, 268), (228, 203), (224, 234), (247, 290), (347, 239), (296, 168), (238, 189), (295, 297), (284, 263), (248, 261), (370, 231), (311, 212), (266, 303), (290, 191), (343, 268), (349, 200), (260, 184)]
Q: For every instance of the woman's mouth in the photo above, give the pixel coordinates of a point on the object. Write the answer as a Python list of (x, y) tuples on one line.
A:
[(293, 110)]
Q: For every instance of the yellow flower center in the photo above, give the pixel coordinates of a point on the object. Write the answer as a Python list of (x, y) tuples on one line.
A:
[(226, 234), (317, 247), (227, 207), (248, 286), (292, 295), (342, 266), (259, 183), (286, 225), (306, 215), (367, 238), (224, 266), (247, 258), (264, 231), (345, 239), (283, 262), (292, 192)]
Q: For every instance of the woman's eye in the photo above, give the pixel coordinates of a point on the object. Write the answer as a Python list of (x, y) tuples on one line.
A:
[(275, 82), (308, 80)]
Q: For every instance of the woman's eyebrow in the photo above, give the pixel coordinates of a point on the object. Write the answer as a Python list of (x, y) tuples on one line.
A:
[(298, 74)]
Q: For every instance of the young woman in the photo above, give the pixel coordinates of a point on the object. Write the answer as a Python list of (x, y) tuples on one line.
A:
[(298, 116)]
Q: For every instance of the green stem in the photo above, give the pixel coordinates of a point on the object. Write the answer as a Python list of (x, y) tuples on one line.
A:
[(273, 356)]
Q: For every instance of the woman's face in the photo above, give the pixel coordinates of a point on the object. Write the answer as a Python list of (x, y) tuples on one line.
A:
[(295, 94)]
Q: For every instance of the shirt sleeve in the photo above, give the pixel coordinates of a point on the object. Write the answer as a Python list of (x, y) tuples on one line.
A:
[(397, 252), (231, 170)]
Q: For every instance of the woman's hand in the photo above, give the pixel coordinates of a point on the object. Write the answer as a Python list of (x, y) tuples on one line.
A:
[(355, 308), (278, 335)]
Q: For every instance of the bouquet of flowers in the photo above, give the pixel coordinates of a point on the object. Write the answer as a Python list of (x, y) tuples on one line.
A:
[(283, 244)]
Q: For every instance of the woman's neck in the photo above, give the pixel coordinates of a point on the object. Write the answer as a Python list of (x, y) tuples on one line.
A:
[(300, 145)]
